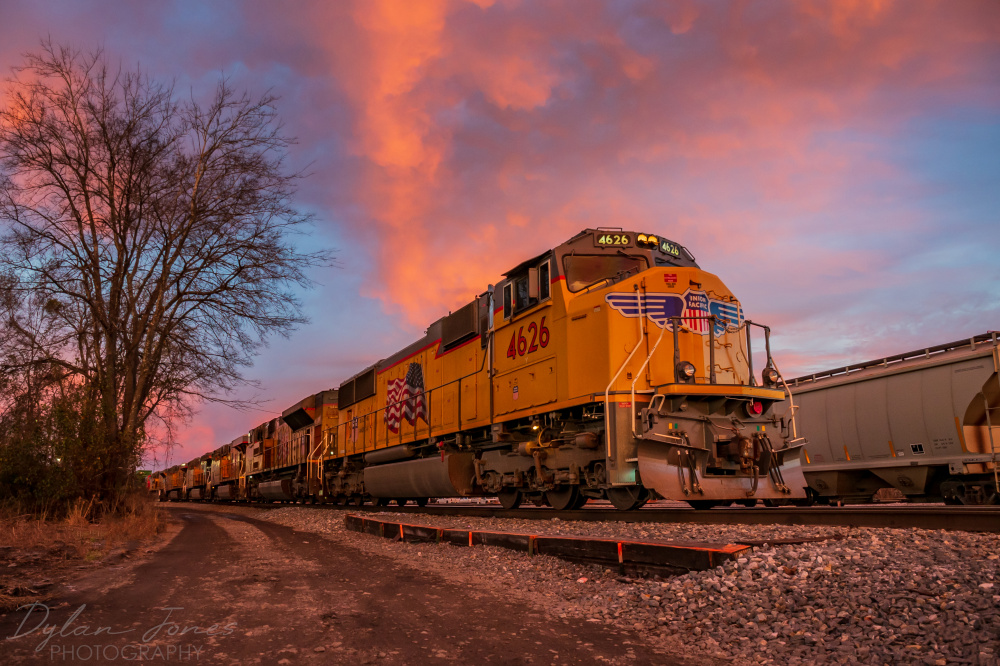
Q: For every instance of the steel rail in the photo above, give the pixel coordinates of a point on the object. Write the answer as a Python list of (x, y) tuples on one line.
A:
[(931, 517)]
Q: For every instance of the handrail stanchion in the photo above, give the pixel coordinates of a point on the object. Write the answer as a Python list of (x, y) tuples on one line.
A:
[(711, 349), (675, 323)]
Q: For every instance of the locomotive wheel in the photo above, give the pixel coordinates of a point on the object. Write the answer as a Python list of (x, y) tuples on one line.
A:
[(422, 501), (563, 497), (627, 498), (401, 501), (509, 498), (580, 501)]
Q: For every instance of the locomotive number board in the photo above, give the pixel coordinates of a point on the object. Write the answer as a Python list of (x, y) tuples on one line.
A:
[(612, 239), (670, 248)]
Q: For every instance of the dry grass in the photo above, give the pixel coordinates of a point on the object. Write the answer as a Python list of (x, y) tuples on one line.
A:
[(37, 547), (136, 520)]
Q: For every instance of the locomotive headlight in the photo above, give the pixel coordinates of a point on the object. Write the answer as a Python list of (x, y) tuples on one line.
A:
[(647, 240), (685, 371), (770, 376)]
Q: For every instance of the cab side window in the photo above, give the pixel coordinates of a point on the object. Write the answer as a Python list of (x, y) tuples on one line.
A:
[(523, 299), (526, 288)]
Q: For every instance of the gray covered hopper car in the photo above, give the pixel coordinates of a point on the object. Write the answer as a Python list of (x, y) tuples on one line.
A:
[(926, 423)]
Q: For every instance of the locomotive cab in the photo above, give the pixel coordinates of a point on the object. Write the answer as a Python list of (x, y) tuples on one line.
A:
[(628, 370)]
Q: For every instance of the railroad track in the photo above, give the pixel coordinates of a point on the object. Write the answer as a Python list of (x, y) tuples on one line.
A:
[(933, 517)]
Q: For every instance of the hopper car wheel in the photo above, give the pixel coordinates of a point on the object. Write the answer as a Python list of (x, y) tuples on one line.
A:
[(702, 505), (563, 497), (509, 498), (627, 498), (401, 501), (382, 501), (358, 500), (749, 503), (341, 500), (422, 501), (580, 501)]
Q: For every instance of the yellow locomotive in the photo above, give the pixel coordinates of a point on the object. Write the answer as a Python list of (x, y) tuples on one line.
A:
[(609, 366)]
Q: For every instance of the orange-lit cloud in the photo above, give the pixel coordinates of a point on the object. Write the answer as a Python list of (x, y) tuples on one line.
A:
[(833, 161), (489, 131)]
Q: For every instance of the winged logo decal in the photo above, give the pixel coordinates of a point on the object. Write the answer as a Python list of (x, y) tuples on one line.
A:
[(659, 308)]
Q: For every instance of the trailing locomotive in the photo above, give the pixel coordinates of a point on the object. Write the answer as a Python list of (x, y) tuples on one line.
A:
[(611, 366), (926, 423)]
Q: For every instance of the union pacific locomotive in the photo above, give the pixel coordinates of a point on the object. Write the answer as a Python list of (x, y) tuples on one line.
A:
[(611, 366)]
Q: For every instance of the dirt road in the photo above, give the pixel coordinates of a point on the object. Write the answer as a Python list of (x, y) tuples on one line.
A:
[(229, 589)]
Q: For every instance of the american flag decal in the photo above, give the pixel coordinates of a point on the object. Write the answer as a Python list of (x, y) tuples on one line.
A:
[(404, 399)]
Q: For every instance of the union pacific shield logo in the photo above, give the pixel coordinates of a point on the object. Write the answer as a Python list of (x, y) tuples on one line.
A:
[(696, 311), (693, 307)]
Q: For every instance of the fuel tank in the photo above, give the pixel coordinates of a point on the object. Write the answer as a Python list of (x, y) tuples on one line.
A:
[(276, 490), (448, 476), (224, 492)]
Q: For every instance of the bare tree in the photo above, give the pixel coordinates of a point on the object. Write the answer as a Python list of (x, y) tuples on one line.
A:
[(151, 240)]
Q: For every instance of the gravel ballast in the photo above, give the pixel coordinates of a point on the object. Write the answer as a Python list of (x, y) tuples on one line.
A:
[(864, 595)]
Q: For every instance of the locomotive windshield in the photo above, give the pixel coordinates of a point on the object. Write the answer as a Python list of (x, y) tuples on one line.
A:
[(586, 270)]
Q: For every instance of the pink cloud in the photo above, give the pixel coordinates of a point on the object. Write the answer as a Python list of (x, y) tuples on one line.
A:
[(438, 91), (453, 139)]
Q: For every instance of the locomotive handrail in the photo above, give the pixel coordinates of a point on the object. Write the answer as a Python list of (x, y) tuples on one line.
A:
[(792, 407), (607, 392), (639, 374), (988, 337)]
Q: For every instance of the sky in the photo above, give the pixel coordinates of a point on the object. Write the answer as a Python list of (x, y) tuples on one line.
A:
[(836, 163)]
